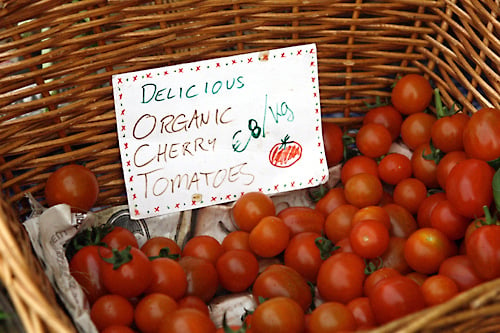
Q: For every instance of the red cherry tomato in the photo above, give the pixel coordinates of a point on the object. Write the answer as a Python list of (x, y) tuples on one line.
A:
[(387, 116), (85, 267), (186, 320), (250, 208), (358, 164), (461, 270), (447, 132), (468, 187), (438, 289), (302, 218), (426, 249), (411, 94), (111, 310), (203, 246), (483, 247), (341, 277), (394, 167), (410, 193), (201, 276), (416, 129), (395, 297), (373, 140), (338, 223), (237, 270), (72, 184), (333, 141), (369, 238), (269, 237), (168, 277), (280, 280), (126, 272), (363, 189), (304, 255), (161, 246), (150, 311), (446, 164), (120, 238), (286, 314), (331, 317), (481, 135)]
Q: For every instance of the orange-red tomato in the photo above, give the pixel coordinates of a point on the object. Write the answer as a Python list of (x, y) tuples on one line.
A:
[(250, 208)]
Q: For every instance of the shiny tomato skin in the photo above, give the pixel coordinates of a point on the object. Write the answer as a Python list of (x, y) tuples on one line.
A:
[(118, 329), (363, 189), (461, 270), (331, 317), (331, 200), (236, 240), (203, 246), (369, 238), (394, 257), (394, 167), (411, 94), (194, 302), (341, 277), (110, 310), (202, 278), (131, 278), (387, 116), (168, 277), (372, 213), (72, 184), (338, 223), (269, 237), (468, 187), (363, 314), (424, 169), (447, 132), (150, 311), (373, 140), (153, 246), (446, 219), (481, 136), (85, 267), (410, 193), (395, 297), (303, 255), (120, 238), (280, 280), (187, 320), (250, 208), (446, 164), (426, 207), (483, 247), (237, 270), (416, 129), (426, 249), (375, 277), (278, 315), (438, 289), (301, 219), (358, 164), (333, 142), (402, 220)]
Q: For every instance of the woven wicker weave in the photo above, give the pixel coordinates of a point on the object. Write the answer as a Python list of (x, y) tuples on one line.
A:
[(56, 104)]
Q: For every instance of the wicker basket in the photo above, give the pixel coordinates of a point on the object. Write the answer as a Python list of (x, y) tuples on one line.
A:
[(56, 102)]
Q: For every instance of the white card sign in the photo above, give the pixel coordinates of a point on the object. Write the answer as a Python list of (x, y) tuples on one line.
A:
[(204, 133)]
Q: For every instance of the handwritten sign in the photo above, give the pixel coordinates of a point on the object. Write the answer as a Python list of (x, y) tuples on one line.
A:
[(204, 133)]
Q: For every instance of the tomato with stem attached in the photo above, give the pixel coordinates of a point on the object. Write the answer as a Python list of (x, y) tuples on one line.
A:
[(126, 272)]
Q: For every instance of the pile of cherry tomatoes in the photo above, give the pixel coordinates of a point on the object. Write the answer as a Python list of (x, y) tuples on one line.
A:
[(402, 231)]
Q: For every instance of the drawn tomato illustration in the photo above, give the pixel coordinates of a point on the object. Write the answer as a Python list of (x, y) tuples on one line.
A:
[(286, 153)]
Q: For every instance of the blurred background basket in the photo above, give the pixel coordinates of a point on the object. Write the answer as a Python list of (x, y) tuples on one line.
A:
[(56, 103)]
